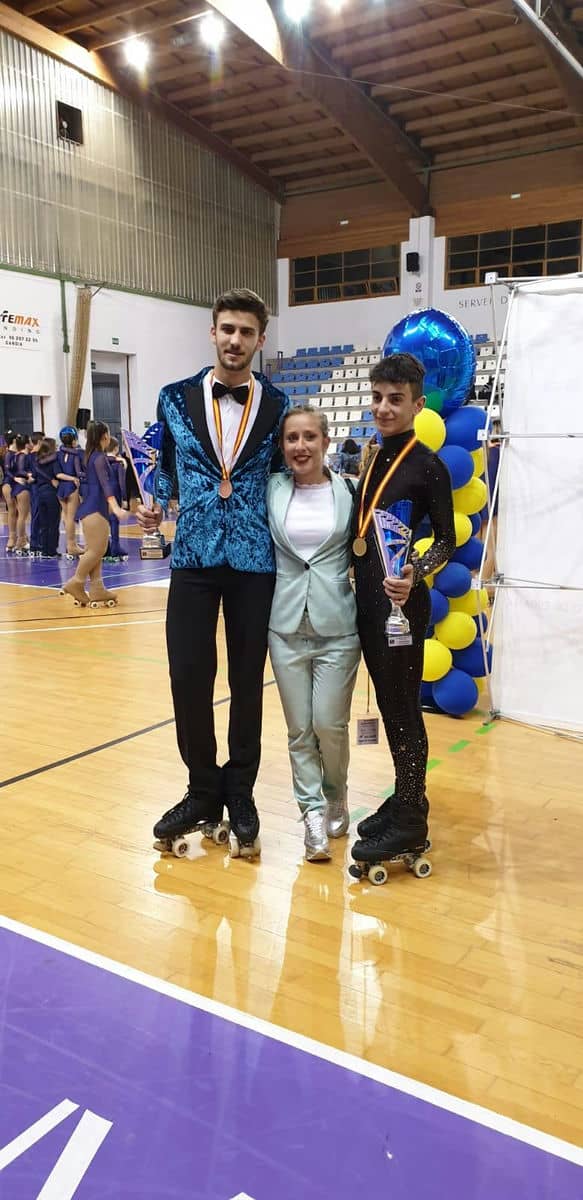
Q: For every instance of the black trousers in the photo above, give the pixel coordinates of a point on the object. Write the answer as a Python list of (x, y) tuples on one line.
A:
[(396, 674), (49, 518), (191, 627)]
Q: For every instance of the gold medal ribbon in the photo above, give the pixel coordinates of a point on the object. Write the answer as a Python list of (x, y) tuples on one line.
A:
[(364, 521), (226, 471)]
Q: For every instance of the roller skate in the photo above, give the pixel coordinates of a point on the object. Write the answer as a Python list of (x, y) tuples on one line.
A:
[(244, 841), (22, 551), (371, 827), (99, 597), (73, 552), (403, 839), (174, 832), (75, 589)]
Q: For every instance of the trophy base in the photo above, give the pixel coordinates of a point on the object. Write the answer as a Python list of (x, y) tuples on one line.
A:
[(154, 545)]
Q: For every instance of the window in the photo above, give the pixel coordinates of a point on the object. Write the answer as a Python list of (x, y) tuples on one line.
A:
[(515, 253), (69, 123), (346, 275)]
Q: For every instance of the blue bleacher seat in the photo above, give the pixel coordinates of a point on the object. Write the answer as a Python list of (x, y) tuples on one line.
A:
[(276, 377), (324, 349), (301, 350), (347, 349), (336, 349), (312, 350), (313, 389)]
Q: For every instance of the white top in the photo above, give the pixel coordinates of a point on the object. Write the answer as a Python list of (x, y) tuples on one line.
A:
[(231, 413), (310, 517)]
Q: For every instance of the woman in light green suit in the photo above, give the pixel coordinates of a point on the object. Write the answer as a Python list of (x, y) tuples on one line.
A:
[(313, 643)]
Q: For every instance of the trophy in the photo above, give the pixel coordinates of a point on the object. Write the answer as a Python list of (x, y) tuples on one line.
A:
[(143, 453), (393, 538)]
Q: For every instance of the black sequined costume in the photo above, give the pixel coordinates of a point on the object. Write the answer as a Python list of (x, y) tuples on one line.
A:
[(396, 671)]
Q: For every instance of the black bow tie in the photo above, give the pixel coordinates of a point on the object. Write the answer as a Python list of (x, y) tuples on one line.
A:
[(239, 394)]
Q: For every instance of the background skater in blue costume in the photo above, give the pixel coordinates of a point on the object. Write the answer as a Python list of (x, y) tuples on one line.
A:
[(97, 503), (221, 434)]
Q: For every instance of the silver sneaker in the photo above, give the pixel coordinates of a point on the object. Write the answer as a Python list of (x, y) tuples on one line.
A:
[(315, 836), (337, 818)]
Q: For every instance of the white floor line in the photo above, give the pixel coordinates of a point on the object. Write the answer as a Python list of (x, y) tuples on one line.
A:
[(410, 1087), (80, 624)]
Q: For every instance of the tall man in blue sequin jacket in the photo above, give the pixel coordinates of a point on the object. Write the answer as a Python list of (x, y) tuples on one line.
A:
[(221, 431)]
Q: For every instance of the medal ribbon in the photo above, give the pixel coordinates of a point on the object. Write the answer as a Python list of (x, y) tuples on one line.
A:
[(226, 471), (364, 521)]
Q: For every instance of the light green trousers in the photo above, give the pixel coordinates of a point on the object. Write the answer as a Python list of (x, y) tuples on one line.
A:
[(316, 677)]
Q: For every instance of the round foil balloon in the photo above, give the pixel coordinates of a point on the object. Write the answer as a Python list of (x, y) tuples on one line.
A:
[(446, 351)]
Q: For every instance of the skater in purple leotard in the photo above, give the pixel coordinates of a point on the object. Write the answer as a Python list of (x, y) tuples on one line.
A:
[(7, 481), (98, 502), (21, 491), (70, 475)]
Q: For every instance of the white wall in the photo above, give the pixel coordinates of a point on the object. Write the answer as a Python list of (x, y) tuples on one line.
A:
[(164, 341)]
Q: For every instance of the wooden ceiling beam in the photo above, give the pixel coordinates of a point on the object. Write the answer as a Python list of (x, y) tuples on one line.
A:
[(139, 28), (100, 16), (540, 144), (535, 76), (564, 66), (247, 119), (429, 79), (257, 102), (264, 136), (502, 38), (222, 83), (58, 47), (378, 137), (547, 99), (352, 17), (493, 129), (431, 27), (303, 147), (350, 155), (327, 183)]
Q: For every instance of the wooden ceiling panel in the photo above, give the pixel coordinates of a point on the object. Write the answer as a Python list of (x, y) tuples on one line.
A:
[(506, 87), (499, 128), (336, 144), (546, 101), (456, 25), (445, 77), (470, 48)]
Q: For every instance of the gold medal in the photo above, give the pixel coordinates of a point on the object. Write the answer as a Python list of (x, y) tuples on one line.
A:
[(359, 547), (225, 489)]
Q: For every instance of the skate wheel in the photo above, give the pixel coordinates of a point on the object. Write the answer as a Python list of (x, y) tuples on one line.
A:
[(422, 867), (111, 603), (355, 871), (78, 604), (378, 875), (180, 847), (220, 835)]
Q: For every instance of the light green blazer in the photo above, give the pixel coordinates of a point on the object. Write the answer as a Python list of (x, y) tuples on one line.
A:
[(321, 585)]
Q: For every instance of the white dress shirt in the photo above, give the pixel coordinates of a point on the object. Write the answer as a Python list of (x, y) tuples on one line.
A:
[(310, 517), (231, 413)]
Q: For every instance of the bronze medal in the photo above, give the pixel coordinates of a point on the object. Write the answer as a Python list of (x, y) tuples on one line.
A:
[(225, 489), (359, 547)]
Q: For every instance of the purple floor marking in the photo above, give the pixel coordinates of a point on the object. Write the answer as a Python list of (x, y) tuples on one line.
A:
[(52, 572), (204, 1109)]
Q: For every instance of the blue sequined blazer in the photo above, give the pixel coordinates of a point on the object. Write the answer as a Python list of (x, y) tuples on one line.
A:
[(211, 532)]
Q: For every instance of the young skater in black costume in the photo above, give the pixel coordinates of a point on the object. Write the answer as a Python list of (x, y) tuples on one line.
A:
[(400, 824)]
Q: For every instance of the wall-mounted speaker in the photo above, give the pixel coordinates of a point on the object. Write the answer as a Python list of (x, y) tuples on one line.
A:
[(412, 262), (83, 418)]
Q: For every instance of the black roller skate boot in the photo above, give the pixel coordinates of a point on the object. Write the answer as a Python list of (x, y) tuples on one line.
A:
[(244, 818), (371, 827), (403, 838), (174, 831)]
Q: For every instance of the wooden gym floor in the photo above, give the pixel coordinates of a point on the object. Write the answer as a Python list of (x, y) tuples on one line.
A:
[(471, 980)]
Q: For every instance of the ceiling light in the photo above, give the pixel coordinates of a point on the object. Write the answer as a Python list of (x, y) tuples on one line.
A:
[(137, 53), (344, 221), (296, 10), (516, 195), (336, 5), (212, 31)]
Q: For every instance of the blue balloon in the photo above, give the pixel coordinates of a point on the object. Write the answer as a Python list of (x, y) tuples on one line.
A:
[(454, 580), (472, 659), (439, 606), (469, 555), (446, 351), (476, 520), (459, 463), (456, 693), (462, 427)]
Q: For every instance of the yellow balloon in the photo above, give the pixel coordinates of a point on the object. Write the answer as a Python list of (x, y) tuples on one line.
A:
[(422, 546), (463, 528), (480, 683), (472, 603), (456, 631), (430, 428), (478, 460), (437, 660), (471, 498)]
